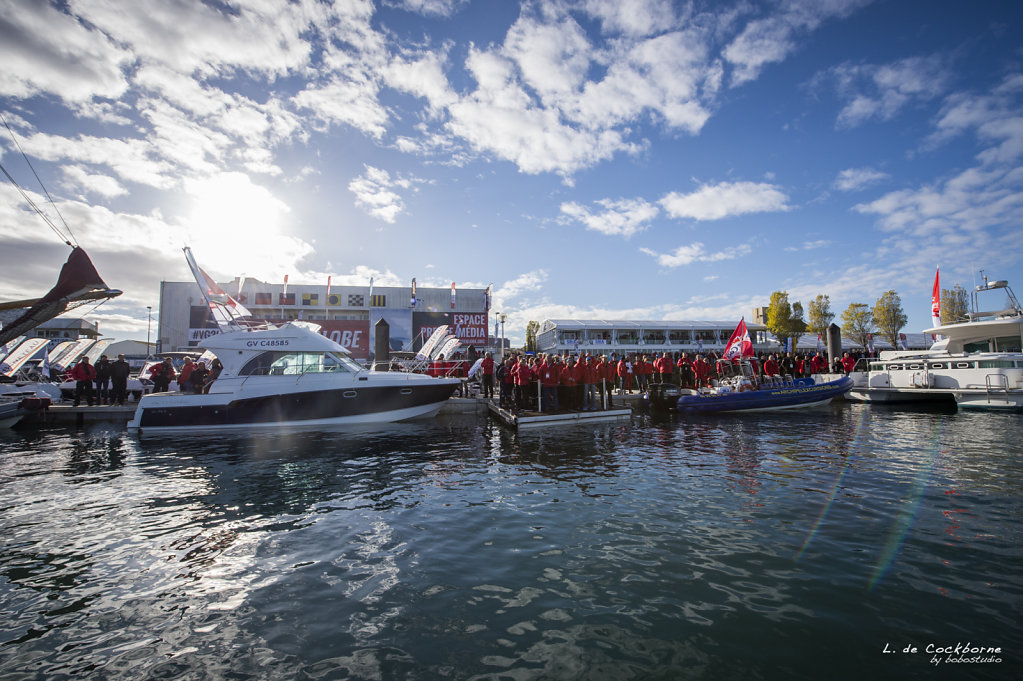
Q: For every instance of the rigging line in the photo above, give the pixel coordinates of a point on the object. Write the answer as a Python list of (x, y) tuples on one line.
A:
[(39, 180), (36, 208)]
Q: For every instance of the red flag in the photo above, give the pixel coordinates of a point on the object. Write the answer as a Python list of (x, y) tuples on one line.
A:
[(452, 295), (936, 300), (328, 287), (739, 345)]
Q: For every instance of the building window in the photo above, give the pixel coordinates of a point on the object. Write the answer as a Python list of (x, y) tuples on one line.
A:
[(310, 298), (334, 299), (356, 301), (378, 300), (264, 299), (287, 299)]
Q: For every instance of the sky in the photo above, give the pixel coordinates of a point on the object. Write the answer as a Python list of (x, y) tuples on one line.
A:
[(606, 159)]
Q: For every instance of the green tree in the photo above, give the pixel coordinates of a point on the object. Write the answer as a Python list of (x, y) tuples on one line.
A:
[(820, 315), (955, 303), (889, 316), (531, 328), (784, 320), (858, 322), (798, 323)]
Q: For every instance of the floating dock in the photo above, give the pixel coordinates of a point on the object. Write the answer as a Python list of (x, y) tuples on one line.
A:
[(532, 419), (65, 413)]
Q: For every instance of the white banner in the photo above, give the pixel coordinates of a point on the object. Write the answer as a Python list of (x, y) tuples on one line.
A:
[(21, 354), (66, 358)]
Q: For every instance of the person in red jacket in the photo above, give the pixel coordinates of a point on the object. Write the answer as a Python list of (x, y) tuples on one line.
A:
[(589, 374), (549, 373), (521, 375), (663, 368), (487, 371), (771, 366), (606, 373), (507, 381), (624, 371), (83, 374), (644, 369), (817, 363), (701, 368), (572, 385), (848, 362), (686, 372), (162, 375)]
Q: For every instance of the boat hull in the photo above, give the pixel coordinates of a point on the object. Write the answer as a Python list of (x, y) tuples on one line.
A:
[(799, 396), (346, 405)]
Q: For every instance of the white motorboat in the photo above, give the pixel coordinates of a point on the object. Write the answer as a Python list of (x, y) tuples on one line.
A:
[(287, 375), (290, 375), (978, 364)]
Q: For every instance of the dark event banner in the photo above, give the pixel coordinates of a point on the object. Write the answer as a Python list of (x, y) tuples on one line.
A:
[(468, 327)]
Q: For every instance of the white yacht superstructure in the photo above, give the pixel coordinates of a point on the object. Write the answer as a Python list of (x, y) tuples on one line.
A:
[(977, 364)]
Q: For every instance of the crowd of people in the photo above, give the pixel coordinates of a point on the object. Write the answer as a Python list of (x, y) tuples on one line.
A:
[(106, 382), (556, 382)]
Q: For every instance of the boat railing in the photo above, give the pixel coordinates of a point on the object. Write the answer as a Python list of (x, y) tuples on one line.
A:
[(996, 383)]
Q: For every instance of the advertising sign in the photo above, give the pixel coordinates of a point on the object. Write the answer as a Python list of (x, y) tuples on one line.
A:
[(468, 327)]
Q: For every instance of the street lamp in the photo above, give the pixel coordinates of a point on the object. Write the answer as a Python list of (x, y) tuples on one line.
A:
[(501, 317), (149, 326)]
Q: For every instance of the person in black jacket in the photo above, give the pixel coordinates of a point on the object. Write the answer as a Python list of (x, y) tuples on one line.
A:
[(102, 367), (119, 372)]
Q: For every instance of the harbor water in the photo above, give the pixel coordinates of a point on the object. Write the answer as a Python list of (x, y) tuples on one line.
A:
[(849, 542)]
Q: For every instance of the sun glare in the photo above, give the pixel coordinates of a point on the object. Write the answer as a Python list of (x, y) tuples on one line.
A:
[(239, 227)]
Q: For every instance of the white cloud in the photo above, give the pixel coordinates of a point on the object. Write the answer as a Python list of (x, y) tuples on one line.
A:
[(632, 17), (264, 38), (347, 100), (130, 159), (430, 8), (623, 217), (687, 254), (994, 117), (855, 179), (881, 92), (770, 40), (726, 199), (45, 50), (808, 246), (552, 58), (104, 185), (422, 77), (374, 193), (524, 283)]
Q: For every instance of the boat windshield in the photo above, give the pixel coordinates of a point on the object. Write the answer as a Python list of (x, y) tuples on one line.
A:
[(277, 363)]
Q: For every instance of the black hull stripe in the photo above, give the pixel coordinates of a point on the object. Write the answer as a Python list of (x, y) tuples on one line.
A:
[(297, 407)]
